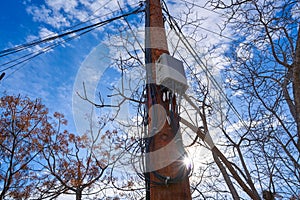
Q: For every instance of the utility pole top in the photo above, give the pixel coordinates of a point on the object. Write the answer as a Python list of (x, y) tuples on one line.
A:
[(156, 40)]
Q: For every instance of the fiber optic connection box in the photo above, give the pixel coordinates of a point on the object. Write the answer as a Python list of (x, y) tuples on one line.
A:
[(170, 73)]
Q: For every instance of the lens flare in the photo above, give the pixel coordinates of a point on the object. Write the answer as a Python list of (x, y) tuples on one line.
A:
[(187, 162)]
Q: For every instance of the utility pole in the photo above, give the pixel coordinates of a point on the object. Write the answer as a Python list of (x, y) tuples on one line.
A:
[(167, 175)]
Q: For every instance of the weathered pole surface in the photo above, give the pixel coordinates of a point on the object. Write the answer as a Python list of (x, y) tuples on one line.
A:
[(167, 175)]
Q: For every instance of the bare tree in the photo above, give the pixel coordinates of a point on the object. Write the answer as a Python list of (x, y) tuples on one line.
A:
[(259, 136), (263, 76)]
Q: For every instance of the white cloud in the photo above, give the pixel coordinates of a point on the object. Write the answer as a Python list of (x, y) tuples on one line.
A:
[(66, 6), (64, 13), (48, 16), (59, 13), (44, 33)]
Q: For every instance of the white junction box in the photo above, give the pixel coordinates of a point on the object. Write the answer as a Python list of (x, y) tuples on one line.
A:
[(170, 73)]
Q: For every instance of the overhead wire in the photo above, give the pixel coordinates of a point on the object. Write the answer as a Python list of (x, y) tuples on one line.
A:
[(25, 58), (207, 30), (201, 27), (87, 18), (132, 31), (48, 39), (48, 48), (192, 51), (197, 78), (164, 179), (89, 28), (203, 7)]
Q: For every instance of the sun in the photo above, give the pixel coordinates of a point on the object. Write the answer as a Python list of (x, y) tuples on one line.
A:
[(187, 162)]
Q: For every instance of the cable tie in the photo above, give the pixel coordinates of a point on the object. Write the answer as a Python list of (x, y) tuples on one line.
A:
[(168, 120), (167, 179)]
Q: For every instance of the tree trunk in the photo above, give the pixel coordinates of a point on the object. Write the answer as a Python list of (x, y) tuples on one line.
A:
[(296, 86), (78, 194)]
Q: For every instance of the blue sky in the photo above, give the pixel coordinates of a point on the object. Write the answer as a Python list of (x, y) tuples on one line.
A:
[(55, 76), (50, 76)]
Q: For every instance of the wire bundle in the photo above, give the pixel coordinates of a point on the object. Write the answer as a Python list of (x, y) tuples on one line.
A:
[(53, 41)]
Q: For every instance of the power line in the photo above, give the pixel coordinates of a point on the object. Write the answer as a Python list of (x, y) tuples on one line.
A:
[(195, 76), (81, 31), (30, 56), (48, 39), (196, 5), (198, 26), (208, 30), (101, 16), (130, 28), (2, 75), (192, 51)]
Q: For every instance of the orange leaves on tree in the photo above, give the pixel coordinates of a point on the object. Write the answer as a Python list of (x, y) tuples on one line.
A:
[(24, 125)]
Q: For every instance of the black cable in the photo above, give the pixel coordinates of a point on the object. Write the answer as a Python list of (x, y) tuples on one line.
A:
[(198, 26), (9, 51), (2, 75), (196, 5), (189, 47), (28, 57), (81, 23), (208, 30)]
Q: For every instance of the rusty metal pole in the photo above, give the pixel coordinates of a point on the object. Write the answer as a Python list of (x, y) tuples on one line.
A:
[(166, 179)]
